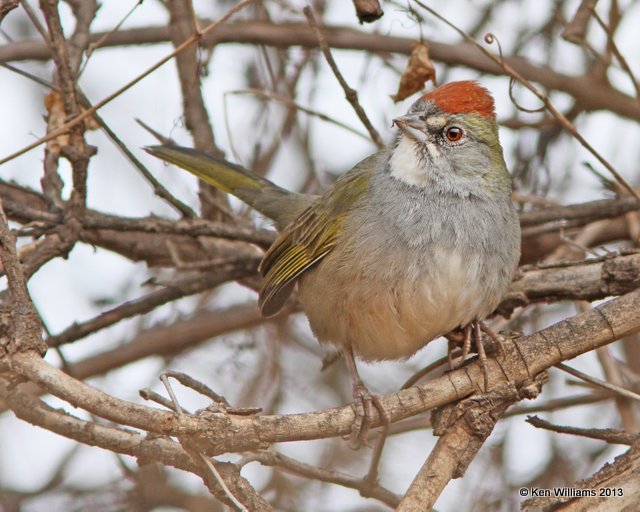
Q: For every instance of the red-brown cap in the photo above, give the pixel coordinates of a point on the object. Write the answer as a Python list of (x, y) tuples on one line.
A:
[(463, 98)]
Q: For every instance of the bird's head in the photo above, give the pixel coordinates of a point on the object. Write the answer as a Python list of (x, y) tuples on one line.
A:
[(449, 140)]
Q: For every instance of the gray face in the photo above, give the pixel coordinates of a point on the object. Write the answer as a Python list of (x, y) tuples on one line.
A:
[(456, 152)]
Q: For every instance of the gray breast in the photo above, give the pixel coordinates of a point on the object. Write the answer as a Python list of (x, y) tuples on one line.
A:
[(410, 265)]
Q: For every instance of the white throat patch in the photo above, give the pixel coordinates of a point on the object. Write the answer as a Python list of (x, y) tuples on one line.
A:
[(405, 165)]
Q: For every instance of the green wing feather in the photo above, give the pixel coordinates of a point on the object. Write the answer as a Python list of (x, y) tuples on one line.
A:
[(308, 239), (304, 241)]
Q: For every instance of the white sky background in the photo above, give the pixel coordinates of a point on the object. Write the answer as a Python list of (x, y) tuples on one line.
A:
[(67, 291)]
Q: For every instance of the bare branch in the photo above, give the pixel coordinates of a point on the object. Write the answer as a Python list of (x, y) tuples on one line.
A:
[(608, 435), (350, 94), (463, 428), (523, 358), (591, 95), (576, 30), (366, 488), (19, 320), (84, 115)]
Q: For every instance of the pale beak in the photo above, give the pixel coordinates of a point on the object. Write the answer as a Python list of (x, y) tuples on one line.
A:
[(412, 126)]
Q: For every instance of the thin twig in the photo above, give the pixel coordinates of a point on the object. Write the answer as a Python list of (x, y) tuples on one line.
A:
[(598, 382), (297, 106), (350, 94), (196, 385), (426, 370), (609, 435), (180, 288), (174, 399), (365, 488), (613, 373), (84, 115), (560, 403), (616, 52), (222, 483), (575, 31), (159, 189), (376, 456), (105, 37), (34, 19), (589, 94), (489, 38), (149, 394)]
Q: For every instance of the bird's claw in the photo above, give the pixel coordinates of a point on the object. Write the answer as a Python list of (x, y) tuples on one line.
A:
[(498, 338), (364, 401), (473, 332)]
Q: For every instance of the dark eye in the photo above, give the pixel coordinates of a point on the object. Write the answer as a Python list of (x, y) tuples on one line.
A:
[(454, 134)]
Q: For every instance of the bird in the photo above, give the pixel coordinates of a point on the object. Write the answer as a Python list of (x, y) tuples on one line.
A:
[(416, 240)]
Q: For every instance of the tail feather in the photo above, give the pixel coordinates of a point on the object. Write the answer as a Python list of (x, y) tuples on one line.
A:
[(261, 194), (216, 171)]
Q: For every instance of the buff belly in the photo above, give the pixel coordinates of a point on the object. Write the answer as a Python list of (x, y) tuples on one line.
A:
[(393, 311)]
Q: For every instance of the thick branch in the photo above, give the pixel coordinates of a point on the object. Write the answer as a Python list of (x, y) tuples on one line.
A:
[(463, 428), (20, 323), (590, 94), (524, 358), (582, 280), (181, 28), (145, 449), (167, 340), (176, 290), (621, 478), (77, 151), (579, 214)]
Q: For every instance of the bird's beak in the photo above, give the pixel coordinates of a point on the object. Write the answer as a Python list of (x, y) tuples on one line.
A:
[(412, 126)]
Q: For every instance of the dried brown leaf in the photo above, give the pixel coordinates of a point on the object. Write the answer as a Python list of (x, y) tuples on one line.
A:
[(368, 11), (419, 70)]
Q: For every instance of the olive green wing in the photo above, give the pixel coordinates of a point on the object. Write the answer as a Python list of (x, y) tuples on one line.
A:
[(307, 240)]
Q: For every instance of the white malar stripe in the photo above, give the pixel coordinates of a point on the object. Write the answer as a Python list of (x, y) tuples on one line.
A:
[(405, 165), (434, 153)]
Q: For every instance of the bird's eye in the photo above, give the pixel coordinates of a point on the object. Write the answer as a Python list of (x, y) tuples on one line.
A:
[(454, 134)]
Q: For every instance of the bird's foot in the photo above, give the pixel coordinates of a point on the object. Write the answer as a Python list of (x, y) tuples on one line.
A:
[(496, 337), (473, 333), (364, 402), (459, 337), (482, 355)]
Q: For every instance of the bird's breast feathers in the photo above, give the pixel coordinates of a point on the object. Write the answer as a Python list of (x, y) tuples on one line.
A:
[(393, 302)]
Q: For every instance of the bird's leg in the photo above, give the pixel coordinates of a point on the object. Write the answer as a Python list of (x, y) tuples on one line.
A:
[(450, 348), (493, 335), (482, 356), (466, 344), (458, 337), (363, 401)]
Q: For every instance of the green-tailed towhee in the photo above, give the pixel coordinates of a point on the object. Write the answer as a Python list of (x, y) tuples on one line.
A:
[(416, 240)]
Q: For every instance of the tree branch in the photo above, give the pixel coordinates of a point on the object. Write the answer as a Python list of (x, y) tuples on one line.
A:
[(591, 95), (524, 358)]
